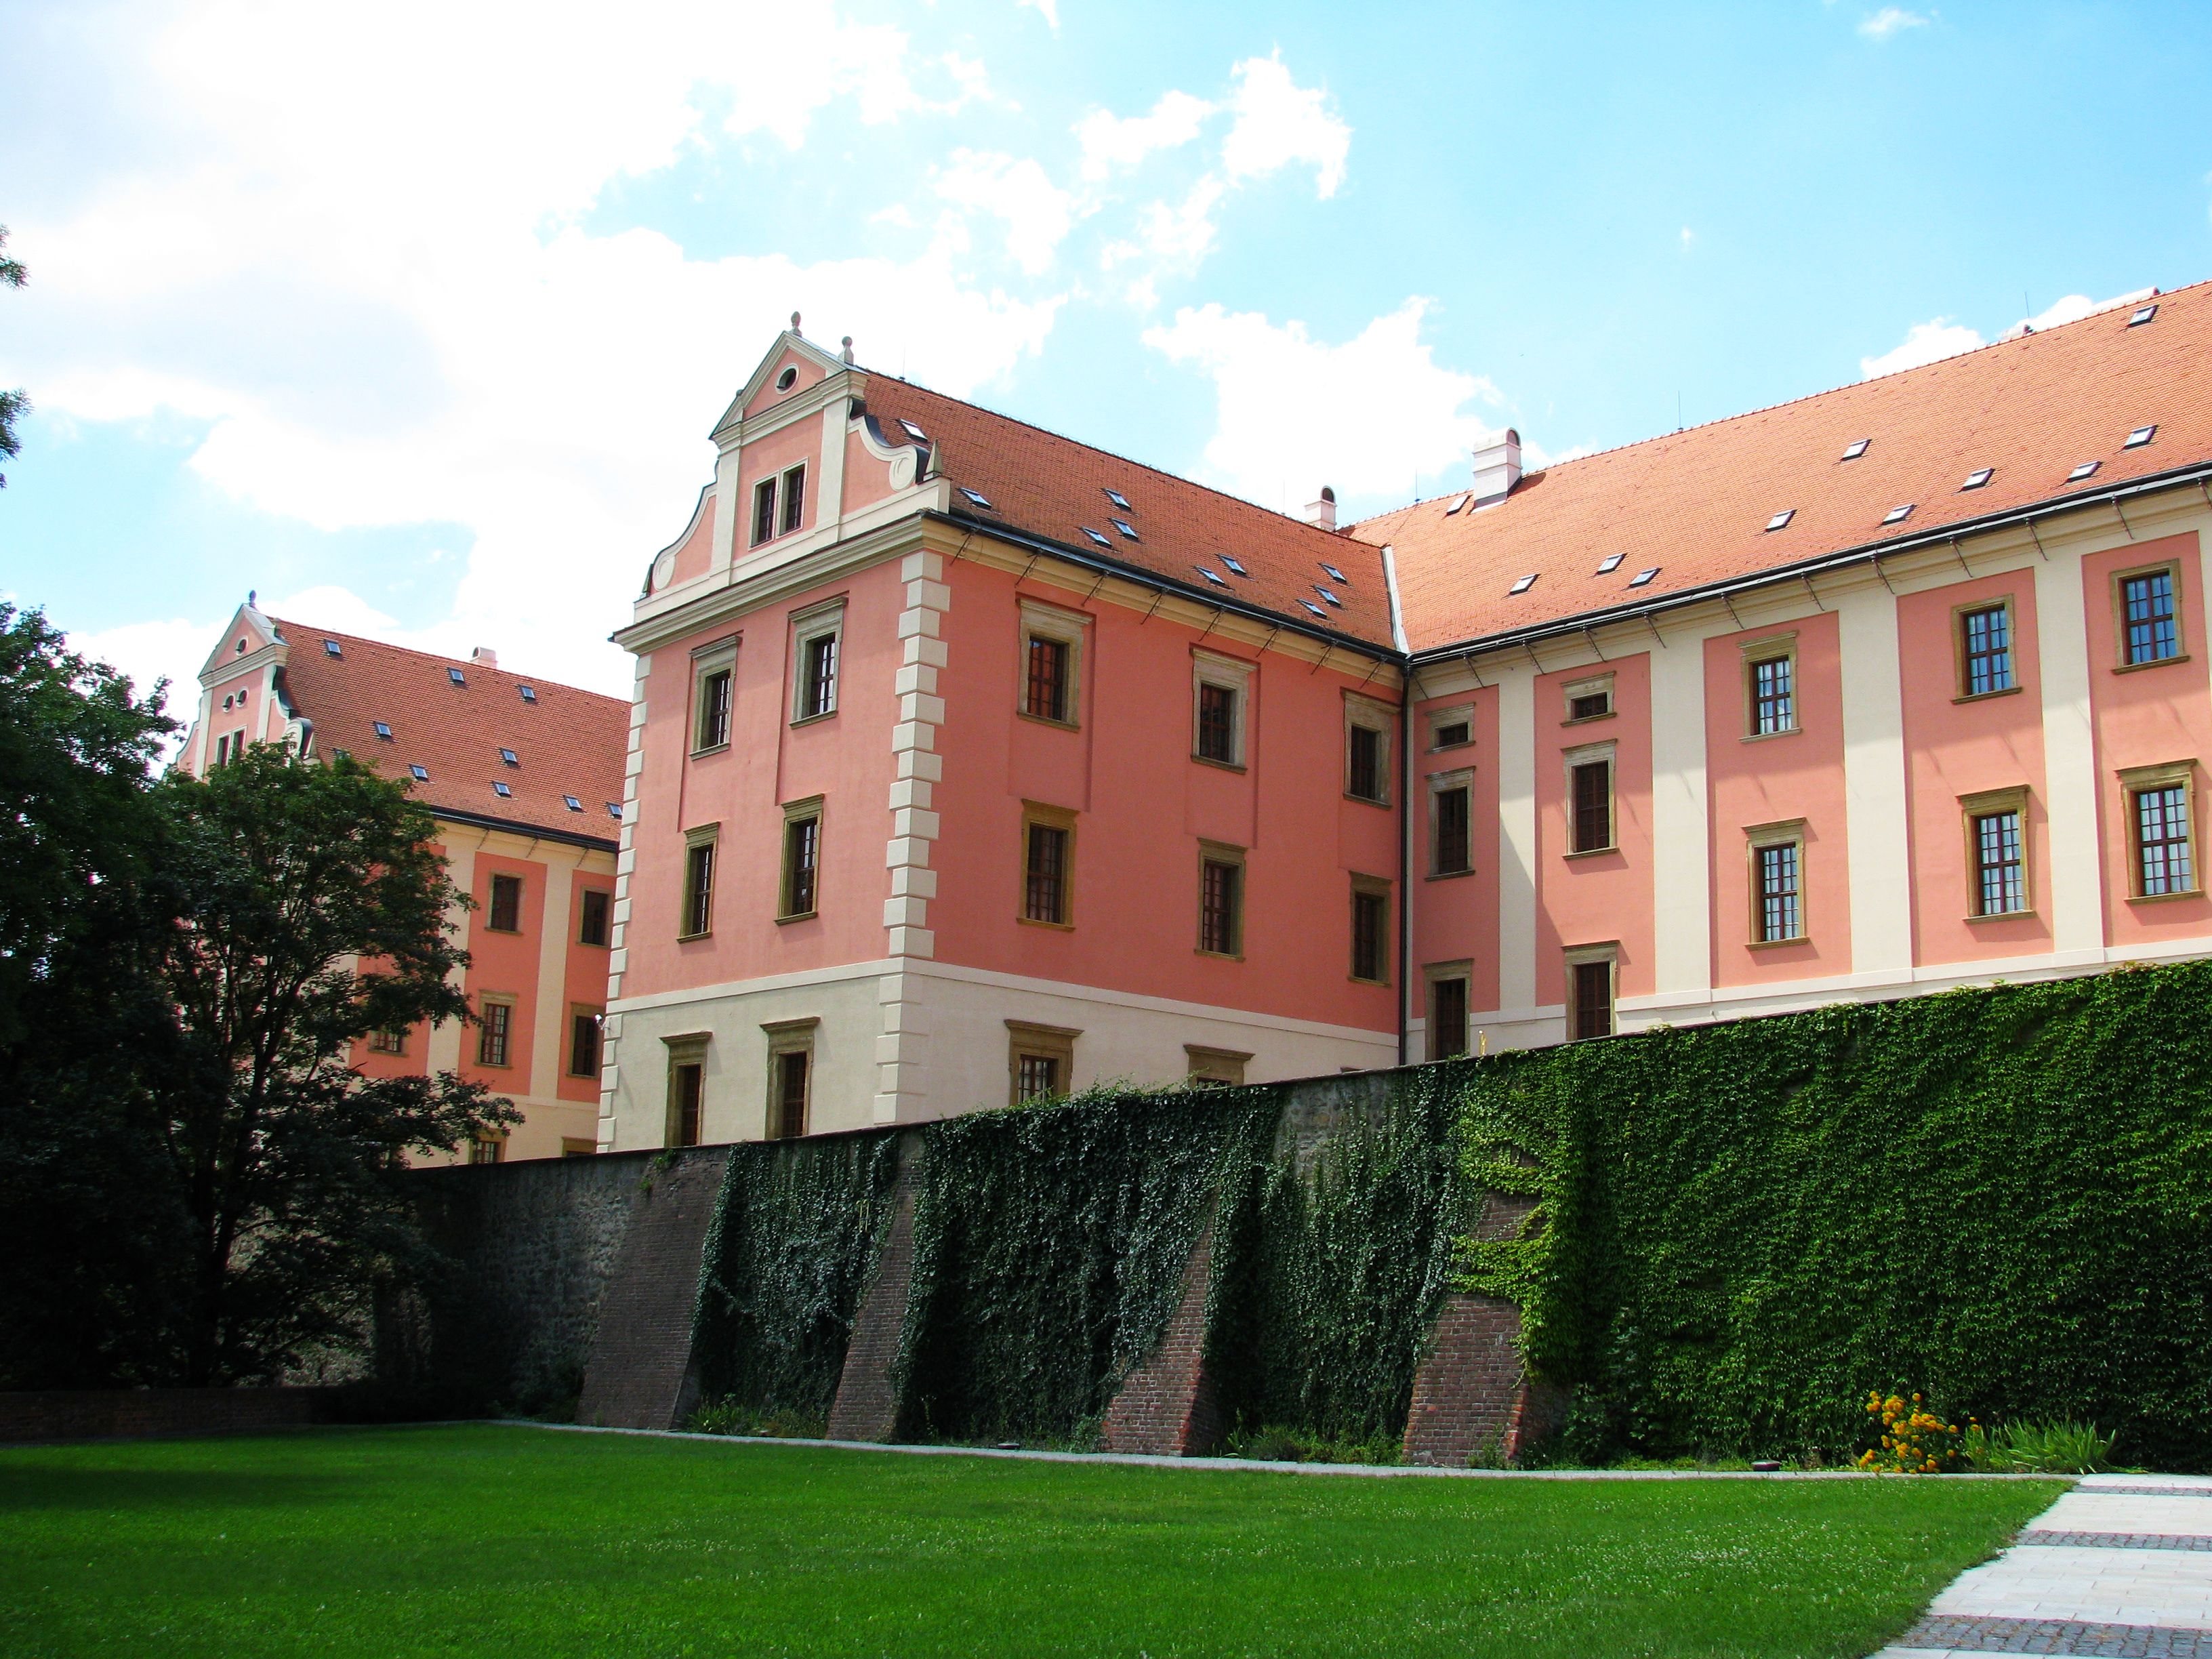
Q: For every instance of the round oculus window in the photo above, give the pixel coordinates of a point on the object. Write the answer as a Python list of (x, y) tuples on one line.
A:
[(783, 382)]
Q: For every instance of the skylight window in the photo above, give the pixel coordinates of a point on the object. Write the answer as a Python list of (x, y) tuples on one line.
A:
[(510, 757), (1337, 576), (914, 432), (1125, 527), (1898, 514), (1328, 596), (2087, 470), (1642, 577), (529, 693), (1316, 609), (1524, 584), (421, 774), (1460, 503), (382, 730), (1118, 498), (1213, 576), (330, 648), (1782, 518), (2144, 315), (571, 803), (614, 809), (1857, 448), (1235, 568), (2139, 436), (976, 495), (457, 677), (1610, 563), (502, 791), (1096, 536), (1979, 477)]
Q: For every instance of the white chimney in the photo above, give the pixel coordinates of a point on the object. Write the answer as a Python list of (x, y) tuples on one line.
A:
[(484, 657), (1322, 510), (1497, 468)]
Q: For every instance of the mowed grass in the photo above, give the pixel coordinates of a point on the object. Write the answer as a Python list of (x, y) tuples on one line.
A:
[(491, 1540)]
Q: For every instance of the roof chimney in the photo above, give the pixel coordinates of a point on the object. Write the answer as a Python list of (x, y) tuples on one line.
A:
[(484, 657), (1322, 511), (1497, 468)]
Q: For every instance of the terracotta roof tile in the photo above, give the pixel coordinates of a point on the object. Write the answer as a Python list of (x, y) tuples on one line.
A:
[(568, 741), (1696, 503), (1054, 487)]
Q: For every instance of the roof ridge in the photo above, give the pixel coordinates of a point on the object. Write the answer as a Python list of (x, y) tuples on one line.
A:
[(2021, 339), (533, 680)]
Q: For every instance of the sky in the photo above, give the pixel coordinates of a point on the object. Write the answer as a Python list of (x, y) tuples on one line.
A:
[(414, 318)]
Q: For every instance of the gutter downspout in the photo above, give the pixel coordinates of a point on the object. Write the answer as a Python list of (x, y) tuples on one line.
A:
[(1405, 808)]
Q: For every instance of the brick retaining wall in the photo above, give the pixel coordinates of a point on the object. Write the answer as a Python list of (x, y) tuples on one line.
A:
[(641, 1374), (867, 1406)]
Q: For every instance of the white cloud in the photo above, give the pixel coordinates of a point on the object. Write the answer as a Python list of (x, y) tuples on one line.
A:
[(1889, 22), (2072, 309), (1279, 121), (1295, 413), (1111, 142), (1923, 343), (1689, 237), (1182, 233), (1037, 212), (1048, 9)]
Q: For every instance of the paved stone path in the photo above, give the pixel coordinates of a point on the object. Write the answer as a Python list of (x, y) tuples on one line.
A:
[(2118, 1568)]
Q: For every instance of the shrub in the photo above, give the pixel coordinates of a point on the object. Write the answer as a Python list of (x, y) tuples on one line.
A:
[(1914, 1439), (2041, 1447)]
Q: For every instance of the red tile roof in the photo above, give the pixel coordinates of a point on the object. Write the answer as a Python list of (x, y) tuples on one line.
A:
[(1696, 503), (1053, 488), (567, 742)]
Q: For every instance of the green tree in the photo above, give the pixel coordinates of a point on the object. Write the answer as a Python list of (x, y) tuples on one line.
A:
[(13, 404)]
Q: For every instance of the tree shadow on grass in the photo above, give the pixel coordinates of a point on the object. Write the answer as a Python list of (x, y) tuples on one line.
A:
[(33, 1485)]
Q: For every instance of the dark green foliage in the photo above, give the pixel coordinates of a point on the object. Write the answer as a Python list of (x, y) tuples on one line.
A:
[(1050, 1243), (1328, 1270), (793, 1243), (14, 405), (2001, 1198)]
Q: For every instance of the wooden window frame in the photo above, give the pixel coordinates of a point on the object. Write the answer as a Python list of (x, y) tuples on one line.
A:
[(709, 664), (1584, 956), (1440, 973), (2135, 780), (764, 512), (796, 812), (1369, 887), (1592, 685), (791, 508), (1039, 621), (1233, 675), (1369, 714), (816, 622), (1988, 803), (1594, 754), (1459, 713), (709, 836), (789, 1037), (1219, 1068), (1771, 647), (685, 1053), (1054, 1043), (1757, 838), (2171, 568), (584, 908), (388, 1041), (1036, 815), (486, 1001), (493, 887), (1441, 784), (578, 1011), (1217, 852), (1963, 677)]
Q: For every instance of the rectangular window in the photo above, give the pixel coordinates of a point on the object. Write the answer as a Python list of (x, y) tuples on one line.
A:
[(2000, 867), (1219, 1068), (1780, 902), (1591, 807), (1217, 724), (687, 1089), (795, 499), (1220, 707), (1453, 849), (2150, 631), (504, 914), (1221, 903), (490, 1150), (494, 1032), (1985, 650), (818, 682), (1371, 930), (1453, 734), (794, 1069), (713, 711), (1447, 1011), (1039, 1077), (1364, 763), (599, 906), (2164, 862), (1773, 696), (698, 855), (583, 1042), (1590, 997), (1040, 1061), (1047, 698), (764, 522), (223, 749), (1588, 700), (387, 1043), (802, 859), (1044, 892)]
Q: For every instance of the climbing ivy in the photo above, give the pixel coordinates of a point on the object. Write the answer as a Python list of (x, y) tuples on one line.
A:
[(2001, 1197), (791, 1247)]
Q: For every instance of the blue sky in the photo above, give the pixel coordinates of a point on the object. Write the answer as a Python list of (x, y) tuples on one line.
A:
[(415, 318)]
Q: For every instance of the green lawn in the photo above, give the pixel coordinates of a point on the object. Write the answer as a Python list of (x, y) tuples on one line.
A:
[(485, 1539)]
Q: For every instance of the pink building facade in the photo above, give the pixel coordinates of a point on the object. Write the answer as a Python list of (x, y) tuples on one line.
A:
[(968, 763)]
